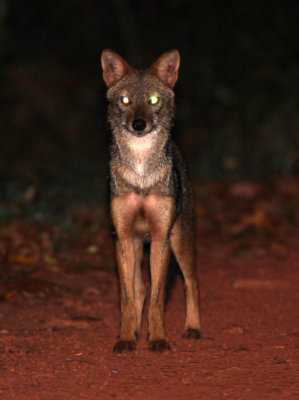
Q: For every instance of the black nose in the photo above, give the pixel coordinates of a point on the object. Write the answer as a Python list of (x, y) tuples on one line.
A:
[(138, 124)]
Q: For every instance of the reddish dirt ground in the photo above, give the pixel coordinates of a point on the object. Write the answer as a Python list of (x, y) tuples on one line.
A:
[(57, 334), (59, 306)]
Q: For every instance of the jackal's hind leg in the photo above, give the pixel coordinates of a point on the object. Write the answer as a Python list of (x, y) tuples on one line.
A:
[(182, 246)]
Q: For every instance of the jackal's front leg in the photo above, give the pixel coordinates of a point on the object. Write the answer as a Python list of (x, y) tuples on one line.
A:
[(160, 252), (123, 213), (160, 212), (126, 269)]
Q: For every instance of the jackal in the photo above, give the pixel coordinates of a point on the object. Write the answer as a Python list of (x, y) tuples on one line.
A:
[(150, 195)]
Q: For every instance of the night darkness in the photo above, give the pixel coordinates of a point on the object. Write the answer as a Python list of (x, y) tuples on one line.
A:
[(236, 94)]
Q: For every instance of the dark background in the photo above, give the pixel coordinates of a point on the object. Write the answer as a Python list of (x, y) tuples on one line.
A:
[(236, 95)]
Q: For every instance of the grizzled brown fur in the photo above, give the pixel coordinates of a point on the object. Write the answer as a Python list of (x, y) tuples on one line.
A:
[(150, 194)]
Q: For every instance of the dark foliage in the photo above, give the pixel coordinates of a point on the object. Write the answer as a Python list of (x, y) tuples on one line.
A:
[(236, 93)]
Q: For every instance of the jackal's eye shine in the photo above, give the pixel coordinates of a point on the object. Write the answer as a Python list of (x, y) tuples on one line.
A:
[(154, 100), (125, 100)]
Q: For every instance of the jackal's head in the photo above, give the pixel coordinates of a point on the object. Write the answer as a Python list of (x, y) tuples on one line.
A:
[(141, 102)]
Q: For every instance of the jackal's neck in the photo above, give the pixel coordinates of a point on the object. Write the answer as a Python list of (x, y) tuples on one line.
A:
[(147, 149), (141, 161)]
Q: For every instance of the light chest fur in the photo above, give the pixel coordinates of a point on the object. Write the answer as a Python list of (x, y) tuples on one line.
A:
[(140, 150), (140, 162)]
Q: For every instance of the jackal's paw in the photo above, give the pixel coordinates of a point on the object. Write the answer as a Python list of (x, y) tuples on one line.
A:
[(192, 333), (124, 345), (158, 346)]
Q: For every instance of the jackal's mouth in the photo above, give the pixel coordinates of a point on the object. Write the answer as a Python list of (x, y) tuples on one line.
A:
[(140, 132)]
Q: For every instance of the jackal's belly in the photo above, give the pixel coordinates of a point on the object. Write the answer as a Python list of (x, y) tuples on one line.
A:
[(150, 215), (142, 227)]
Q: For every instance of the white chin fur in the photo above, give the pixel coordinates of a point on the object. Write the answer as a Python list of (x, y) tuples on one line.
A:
[(143, 143)]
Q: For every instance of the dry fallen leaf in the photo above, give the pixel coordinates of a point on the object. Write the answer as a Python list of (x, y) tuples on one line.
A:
[(245, 190), (21, 258)]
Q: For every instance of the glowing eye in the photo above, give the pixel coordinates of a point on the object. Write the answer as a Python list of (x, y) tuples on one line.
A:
[(154, 100), (125, 100)]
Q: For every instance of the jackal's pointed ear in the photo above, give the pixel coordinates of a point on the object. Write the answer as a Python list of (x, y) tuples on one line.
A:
[(166, 67), (114, 67)]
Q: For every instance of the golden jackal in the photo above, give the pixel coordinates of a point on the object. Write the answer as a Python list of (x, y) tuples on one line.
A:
[(150, 194)]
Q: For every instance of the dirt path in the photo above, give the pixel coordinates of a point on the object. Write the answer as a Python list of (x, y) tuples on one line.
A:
[(57, 334)]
